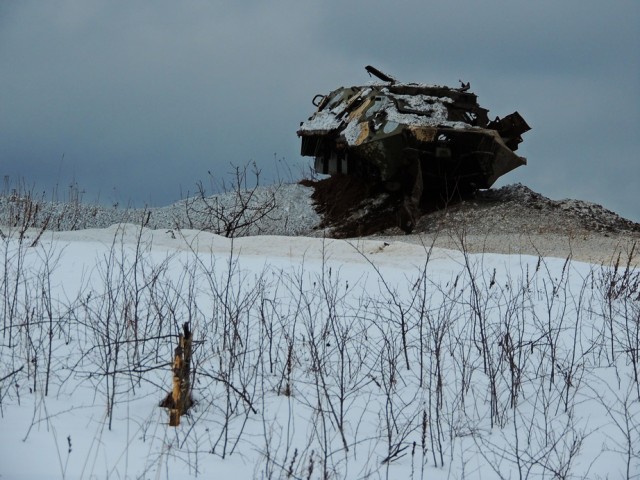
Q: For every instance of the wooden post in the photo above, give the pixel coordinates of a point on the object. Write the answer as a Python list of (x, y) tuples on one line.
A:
[(178, 401)]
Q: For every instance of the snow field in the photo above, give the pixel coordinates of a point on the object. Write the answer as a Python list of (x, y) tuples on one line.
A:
[(313, 359)]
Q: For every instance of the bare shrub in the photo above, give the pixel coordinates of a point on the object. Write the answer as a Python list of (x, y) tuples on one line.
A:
[(236, 214)]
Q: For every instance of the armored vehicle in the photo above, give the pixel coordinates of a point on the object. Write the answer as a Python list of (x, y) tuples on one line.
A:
[(414, 139)]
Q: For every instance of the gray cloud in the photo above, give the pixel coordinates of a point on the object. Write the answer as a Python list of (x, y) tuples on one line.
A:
[(143, 98)]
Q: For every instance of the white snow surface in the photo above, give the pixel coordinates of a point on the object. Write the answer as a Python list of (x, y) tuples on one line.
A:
[(321, 122), (293, 212), (313, 358), (433, 111)]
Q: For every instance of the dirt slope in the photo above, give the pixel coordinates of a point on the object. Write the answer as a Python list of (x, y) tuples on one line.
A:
[(511, 219)]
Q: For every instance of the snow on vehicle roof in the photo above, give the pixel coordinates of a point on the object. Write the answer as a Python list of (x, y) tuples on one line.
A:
[(419, 110)]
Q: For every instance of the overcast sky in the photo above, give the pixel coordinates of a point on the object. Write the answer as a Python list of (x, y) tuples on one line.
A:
[(136, 101)]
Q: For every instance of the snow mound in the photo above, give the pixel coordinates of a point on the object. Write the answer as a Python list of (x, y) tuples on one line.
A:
[(289, 212)]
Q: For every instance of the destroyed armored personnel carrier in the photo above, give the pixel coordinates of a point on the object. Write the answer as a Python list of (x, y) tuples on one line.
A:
[(415, 140)]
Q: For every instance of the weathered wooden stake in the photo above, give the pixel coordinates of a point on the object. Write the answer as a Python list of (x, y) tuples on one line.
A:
[(179, 400)]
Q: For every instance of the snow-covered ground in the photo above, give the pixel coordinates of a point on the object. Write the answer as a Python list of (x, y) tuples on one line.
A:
[(313, 358), (283, 209)]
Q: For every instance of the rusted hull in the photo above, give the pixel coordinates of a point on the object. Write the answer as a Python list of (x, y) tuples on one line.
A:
[(412, 138)]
